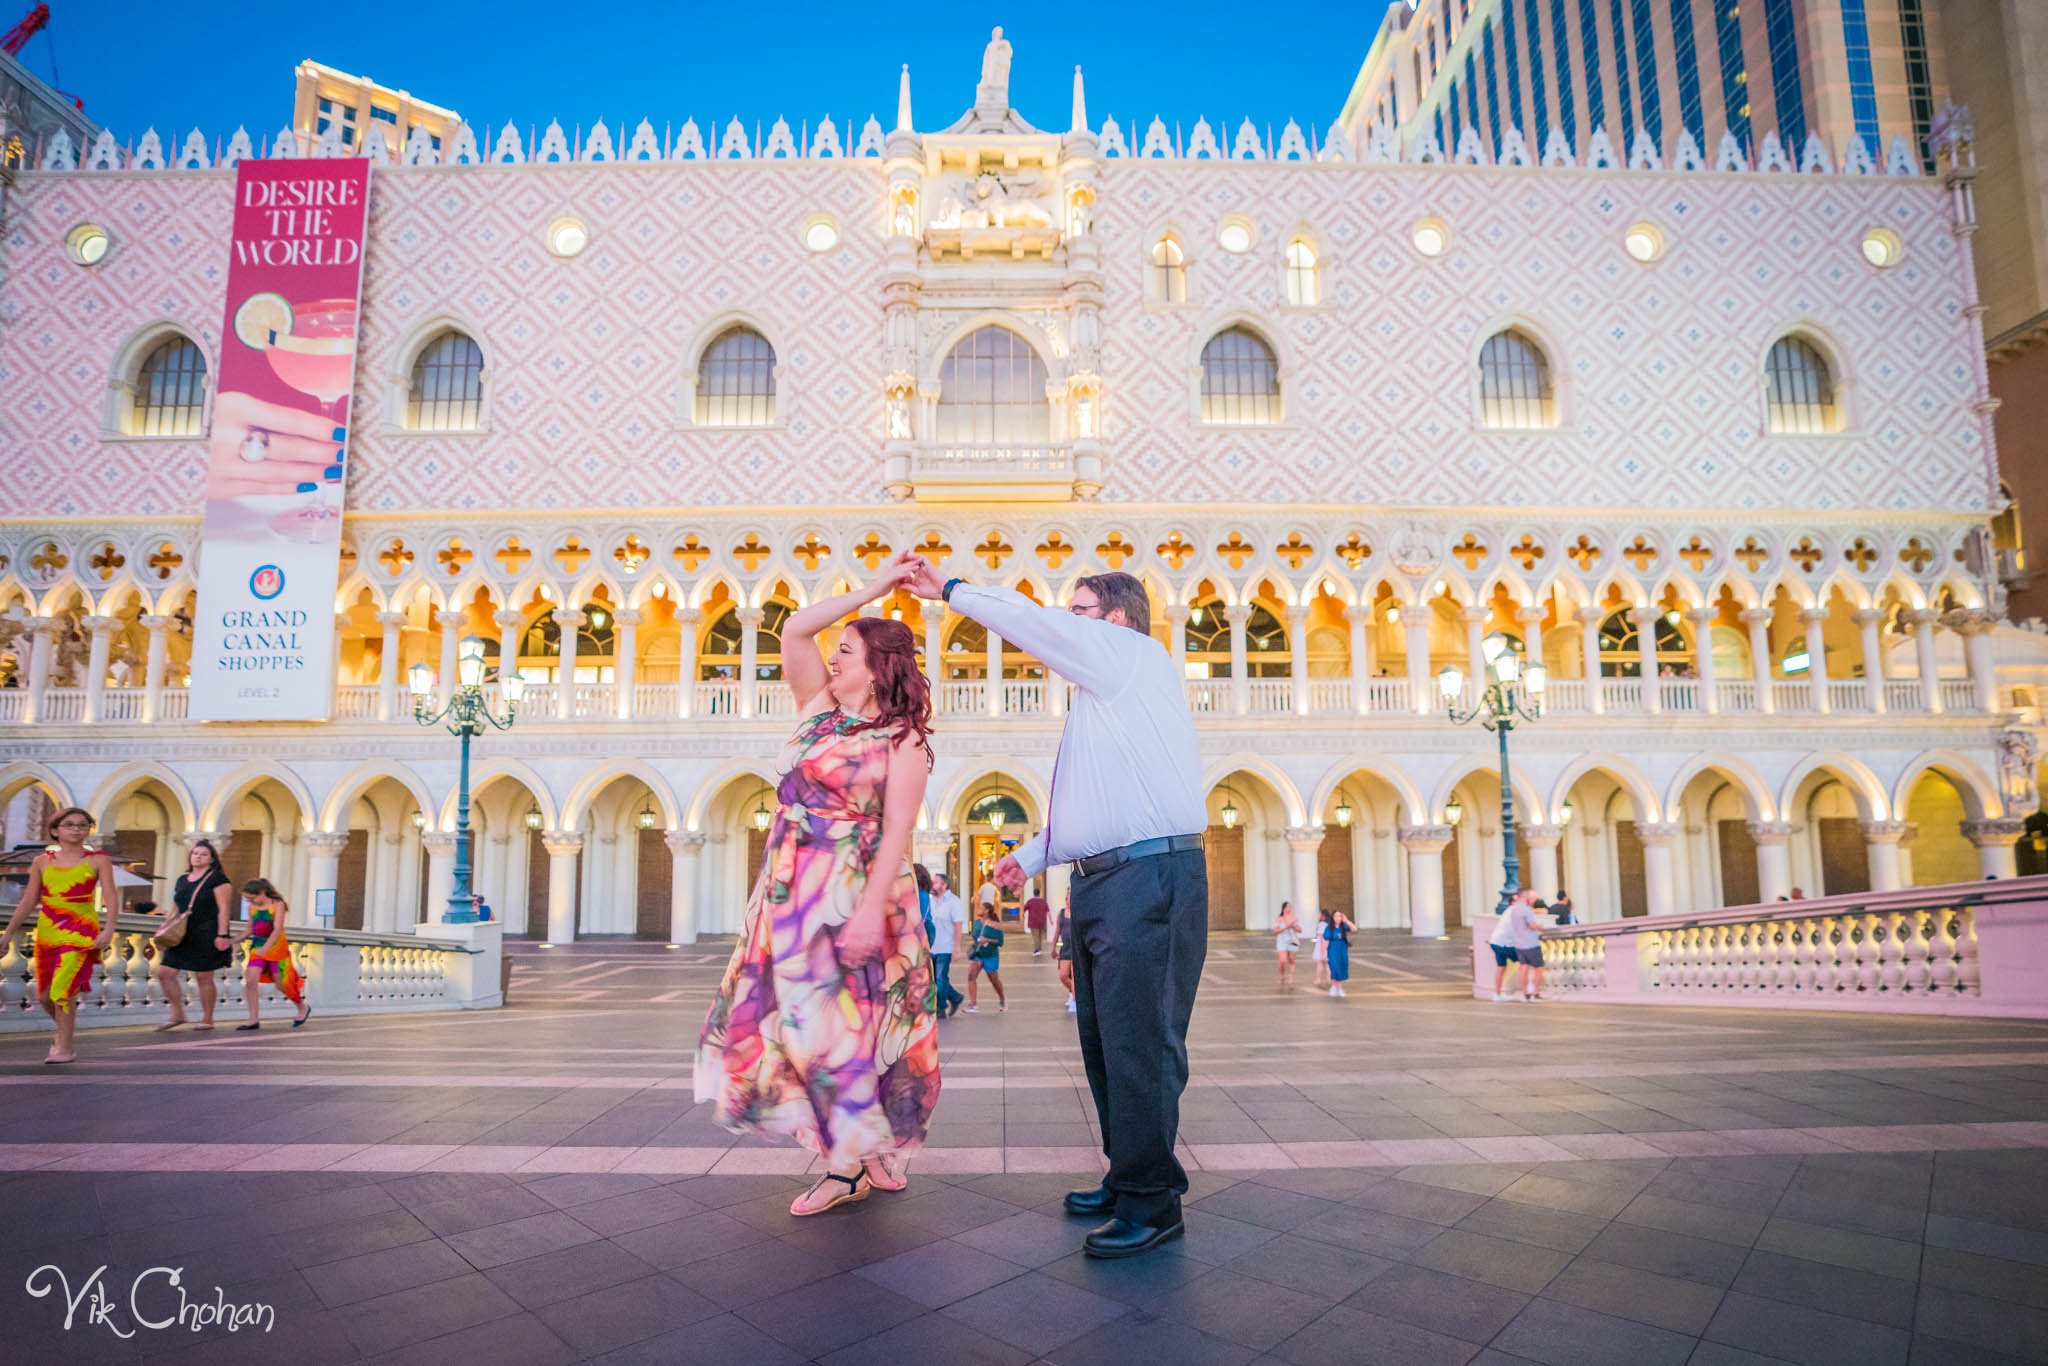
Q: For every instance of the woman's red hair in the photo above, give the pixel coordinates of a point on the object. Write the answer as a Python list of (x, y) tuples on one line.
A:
[(901, 691)]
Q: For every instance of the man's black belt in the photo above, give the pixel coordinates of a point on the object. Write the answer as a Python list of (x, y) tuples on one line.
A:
[(1129, 853)]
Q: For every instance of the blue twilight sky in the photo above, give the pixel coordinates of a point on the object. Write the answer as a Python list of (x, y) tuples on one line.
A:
[(214, 66)]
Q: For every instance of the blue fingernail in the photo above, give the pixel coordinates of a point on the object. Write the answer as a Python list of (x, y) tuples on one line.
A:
[(308, 488), (331, 472), (341, 433)]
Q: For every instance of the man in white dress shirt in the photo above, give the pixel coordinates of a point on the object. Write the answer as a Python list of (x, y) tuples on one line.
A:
[(948, 916), (1126, 810)]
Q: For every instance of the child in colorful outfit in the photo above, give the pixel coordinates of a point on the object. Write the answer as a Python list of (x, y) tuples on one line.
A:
[(987, 957), (270, 954), (72, 885)]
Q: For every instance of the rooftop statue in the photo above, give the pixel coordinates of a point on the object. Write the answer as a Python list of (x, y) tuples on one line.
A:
[(993, 94)]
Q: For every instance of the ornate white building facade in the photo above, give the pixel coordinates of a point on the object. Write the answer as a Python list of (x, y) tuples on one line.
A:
[(1711, 440)]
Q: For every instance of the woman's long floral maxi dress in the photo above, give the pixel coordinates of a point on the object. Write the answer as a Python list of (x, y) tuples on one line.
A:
[(846, 1059)]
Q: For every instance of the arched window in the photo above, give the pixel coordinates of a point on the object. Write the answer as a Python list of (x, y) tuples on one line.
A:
[(1240, 379), (1514, 383), (170, 391), (1802, 392), (1169, 272), (992, 391), (1304, 289), (540, 647), (1621, 647), (447, 393), (736, 380), (1208, 640), (720, 656)]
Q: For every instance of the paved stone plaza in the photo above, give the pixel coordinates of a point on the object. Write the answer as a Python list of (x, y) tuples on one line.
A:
[(1404, 1176)]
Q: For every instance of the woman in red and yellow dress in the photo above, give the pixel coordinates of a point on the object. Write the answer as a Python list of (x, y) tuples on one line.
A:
[(270, 954), (71, 885)]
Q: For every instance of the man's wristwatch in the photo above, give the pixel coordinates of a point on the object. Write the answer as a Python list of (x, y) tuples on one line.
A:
[(946, 593)]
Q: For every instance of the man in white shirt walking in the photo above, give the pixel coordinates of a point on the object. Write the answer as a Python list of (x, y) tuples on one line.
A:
[(948, 915), (1126, 810)]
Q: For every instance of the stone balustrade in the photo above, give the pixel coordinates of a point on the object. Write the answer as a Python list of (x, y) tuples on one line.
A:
[(1964, 948), (440, 967), (1032, 698)]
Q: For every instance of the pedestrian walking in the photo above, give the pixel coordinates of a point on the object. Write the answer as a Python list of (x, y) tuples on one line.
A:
[(72, 889), (948, 920), (206, 899), (1320, 950), (1287, 943), (1063, 950), (270, 955), (1337, 929), (986, 957), (1036, 912)]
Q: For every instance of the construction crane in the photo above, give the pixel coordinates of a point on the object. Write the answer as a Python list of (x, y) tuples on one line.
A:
[(16, 38)]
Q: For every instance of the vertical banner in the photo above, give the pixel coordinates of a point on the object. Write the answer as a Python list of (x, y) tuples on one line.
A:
[(270, 550)]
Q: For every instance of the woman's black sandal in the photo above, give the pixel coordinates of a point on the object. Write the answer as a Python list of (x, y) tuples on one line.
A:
[(855, 1191)]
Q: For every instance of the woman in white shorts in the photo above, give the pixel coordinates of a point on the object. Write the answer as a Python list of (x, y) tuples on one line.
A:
[(1286, 943), (1322, 952)]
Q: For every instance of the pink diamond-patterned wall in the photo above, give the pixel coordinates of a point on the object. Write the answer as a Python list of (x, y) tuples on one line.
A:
[(1659, 367)]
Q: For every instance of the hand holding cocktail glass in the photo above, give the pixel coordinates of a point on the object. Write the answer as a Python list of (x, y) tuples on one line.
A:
[(273, 449)]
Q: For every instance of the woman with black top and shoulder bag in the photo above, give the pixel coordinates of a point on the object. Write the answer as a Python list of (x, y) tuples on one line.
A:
[(204, 898)]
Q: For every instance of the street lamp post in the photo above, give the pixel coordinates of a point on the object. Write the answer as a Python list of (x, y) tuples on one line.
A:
[(1498, 708), (467, 712)]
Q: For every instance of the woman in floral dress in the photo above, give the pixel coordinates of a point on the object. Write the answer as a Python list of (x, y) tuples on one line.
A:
[(824, 1027)]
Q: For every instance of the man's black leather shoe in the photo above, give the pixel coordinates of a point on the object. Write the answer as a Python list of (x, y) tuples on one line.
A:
[(1092, 1203), (1122, 1238)]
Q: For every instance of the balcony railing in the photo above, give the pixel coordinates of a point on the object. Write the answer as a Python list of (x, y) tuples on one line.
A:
[(356, 702), (973, 471), (1264, 698), (1271, 696)]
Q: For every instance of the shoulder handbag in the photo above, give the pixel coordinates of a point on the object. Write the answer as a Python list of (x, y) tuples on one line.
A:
[(172, 932)]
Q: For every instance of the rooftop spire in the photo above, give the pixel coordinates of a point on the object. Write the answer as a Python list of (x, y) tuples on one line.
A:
[(1080, 105), (903, 101)]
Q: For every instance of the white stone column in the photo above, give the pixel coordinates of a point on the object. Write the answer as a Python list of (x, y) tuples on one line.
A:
[(1297, 657), (1539, 857), (993, 666), (102, 629), (507, 623), (387, 666), (1530, 619), (1702, 619), (1773, 858), (1176, 614), (1995, 840), (1658, 889), (1425, 845), (1302, 843), (1421, 683), (1358, 617), (1237, 614), (1758, 620), (934, 618), (1867, 621), (627, 674), (42, 638), (451, 636), (750, 654), (1881, 845), (569, 622), (1645, 619), (1815, 619), (440, 847), (1927, 661), (323, 868), (1589, 619), (153, 668), (683, 848), (563, 846), (1474, 618), (341, 630), (1976, 629), (687, 620)]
